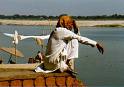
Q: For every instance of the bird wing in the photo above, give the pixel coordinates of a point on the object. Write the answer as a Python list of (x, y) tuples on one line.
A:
[(26, 37), (39, 37), (10, 35), (16, 37)]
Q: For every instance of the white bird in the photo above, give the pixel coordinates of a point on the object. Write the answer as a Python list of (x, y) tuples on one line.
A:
[(16, 37)]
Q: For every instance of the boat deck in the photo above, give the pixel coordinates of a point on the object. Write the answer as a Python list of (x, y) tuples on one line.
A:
[(22, 71)]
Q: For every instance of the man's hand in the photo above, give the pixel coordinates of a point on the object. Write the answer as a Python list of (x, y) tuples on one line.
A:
[(100, 48)]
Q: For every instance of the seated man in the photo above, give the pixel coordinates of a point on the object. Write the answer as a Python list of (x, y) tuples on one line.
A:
[(59, 48)]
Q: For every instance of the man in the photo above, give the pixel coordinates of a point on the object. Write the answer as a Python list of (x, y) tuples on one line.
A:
[(58, 50)]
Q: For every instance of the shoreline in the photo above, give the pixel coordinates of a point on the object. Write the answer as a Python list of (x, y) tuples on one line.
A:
[(83, 23)]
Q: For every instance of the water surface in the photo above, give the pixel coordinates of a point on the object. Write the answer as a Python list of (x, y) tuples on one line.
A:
[(93, 68)]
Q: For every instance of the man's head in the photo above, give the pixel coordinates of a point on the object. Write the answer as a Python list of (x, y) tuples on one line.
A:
[(67, 22)]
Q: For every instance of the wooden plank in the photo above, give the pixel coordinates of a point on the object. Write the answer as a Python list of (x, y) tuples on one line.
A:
[(60, 81), (69, 81), (50, 82), (40, 82), (16, 83), (28, 83), (19, 66), (4, 84)]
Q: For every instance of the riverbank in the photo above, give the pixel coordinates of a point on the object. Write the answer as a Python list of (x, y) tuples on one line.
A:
[(85, 23)]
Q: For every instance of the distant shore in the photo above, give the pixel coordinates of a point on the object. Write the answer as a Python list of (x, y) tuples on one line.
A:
[(85, 23)]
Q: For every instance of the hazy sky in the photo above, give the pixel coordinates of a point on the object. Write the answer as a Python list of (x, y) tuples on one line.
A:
[(57, 7)]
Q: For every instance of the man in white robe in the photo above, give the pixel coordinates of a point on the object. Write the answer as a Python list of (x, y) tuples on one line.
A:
[(61, 42)]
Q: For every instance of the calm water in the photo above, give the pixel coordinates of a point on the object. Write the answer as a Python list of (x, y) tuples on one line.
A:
[(92, 67)]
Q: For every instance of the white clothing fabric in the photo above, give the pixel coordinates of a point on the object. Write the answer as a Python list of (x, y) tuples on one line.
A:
[(39, 69), (59, 39), (72, 49)]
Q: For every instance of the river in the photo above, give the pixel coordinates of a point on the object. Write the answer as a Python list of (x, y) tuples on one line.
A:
[(93, 68)]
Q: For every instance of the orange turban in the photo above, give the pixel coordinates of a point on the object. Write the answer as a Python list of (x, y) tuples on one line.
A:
[(67, 22)]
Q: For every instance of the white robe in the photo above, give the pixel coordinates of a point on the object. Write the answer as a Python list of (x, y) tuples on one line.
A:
[(63, 40), (72, 49)]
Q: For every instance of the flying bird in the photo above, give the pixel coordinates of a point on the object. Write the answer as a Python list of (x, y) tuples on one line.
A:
[(16, 37)]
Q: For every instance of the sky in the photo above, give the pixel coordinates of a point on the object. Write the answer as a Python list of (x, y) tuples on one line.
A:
[(57, 7)]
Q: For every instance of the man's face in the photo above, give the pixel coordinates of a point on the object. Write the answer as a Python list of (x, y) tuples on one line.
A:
[(69, 25)]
